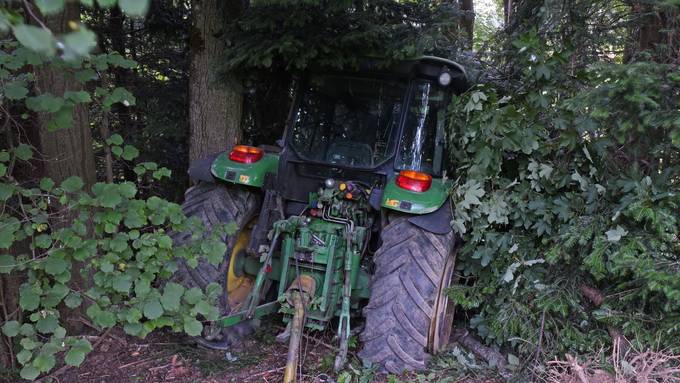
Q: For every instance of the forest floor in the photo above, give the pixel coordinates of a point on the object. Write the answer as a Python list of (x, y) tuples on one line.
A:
[(162, 358)]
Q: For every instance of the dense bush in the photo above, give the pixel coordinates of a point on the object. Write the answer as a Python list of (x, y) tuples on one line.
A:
[(569, 183)]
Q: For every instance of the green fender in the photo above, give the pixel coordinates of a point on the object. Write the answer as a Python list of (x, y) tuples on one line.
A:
[(406, 201), (244, 174)]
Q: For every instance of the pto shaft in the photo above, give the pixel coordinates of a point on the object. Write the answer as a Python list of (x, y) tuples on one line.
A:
[(299, 295)]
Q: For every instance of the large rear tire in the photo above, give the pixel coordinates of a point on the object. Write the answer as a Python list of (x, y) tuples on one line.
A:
[(218, 204), (408, 317)]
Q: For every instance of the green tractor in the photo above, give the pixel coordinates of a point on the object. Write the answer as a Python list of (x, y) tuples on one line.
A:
[(346, 223)]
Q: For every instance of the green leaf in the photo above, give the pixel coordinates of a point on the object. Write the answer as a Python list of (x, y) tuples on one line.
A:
[(55, 295), (100, 317), (44, 362), (193, 295), (128, 189), (116, 59), (109, 196), (16, 90), (130, 153), (85, 75), (76, 355), (46, 184), (62, 119), (29, 298), (11, 328), (153, 309), (72, 184), (207, 310), (3, 170), (121, 95), (214, 251), (23, 152), (43, 241), (213, 290), (115, 139), (122, 283), (49, 7), (29, 372), (116, 150), (35, 38), (79, 43), (28, 344), (47, 325), (6, 191), (192, 327), (73, 300), (8, 228), (24, 356), (55, 265), (172, 295), (78, 97), (7, 263), (45, 102), (134, 8), (106, 3), (473, 191), (161, 173)]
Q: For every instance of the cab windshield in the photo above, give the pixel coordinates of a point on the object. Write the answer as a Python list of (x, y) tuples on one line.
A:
[(349, 121)]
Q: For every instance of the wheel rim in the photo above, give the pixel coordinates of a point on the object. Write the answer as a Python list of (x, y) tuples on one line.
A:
[(238, 287), (442, 320)]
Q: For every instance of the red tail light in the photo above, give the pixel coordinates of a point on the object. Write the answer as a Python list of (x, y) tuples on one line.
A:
[(246, 154), (414, 181)]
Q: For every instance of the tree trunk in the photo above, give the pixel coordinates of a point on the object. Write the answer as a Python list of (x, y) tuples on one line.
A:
[(468, 20), (656, 33), (215, 104), (507, 11), (66, 152), (69, 151)]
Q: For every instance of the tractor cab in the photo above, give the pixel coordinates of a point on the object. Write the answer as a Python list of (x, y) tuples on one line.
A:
[(369, 124)]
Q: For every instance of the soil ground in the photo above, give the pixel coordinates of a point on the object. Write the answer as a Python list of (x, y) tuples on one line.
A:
[(163, 357)]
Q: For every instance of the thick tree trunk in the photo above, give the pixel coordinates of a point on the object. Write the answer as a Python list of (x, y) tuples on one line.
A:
[(215, 105), (468, 21), (66, 152)]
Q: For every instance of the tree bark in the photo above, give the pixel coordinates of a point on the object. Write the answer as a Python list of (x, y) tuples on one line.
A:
[(215, 105), (656, 33), (65, 152), (507, 11), (468, 20)]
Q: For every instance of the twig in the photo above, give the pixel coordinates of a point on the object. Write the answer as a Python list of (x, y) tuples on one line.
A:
[(539, 346), (137, 362), (268, 371), (29, 9)]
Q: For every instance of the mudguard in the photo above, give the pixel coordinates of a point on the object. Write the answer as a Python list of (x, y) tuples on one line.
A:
[(438, 222), (219, 166), (199, 170)]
